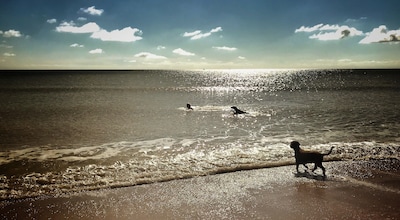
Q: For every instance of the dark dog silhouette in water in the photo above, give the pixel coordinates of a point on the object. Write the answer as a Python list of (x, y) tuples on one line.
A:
[(304, 156), (237, 111), (189, 107)]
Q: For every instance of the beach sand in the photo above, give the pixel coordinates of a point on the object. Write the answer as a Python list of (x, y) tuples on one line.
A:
[(352, 190)]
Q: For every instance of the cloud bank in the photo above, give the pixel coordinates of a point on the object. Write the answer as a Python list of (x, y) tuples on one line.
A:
[(381, 34), (127, 34), (327, 32), (330, 32)]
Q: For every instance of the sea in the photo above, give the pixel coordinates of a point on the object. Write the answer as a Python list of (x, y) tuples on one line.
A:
[(69, 131)]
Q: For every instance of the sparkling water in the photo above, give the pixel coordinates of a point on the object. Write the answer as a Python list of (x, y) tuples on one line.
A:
[(64, 131)]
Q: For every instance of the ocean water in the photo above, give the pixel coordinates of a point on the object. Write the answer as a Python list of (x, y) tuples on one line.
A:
[(68, 131)]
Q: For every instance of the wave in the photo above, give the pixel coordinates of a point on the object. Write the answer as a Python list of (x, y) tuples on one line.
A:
[(124, 164), (227, 112)]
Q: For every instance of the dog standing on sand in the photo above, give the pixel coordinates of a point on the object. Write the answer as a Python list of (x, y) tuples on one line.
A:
[(303, 157)]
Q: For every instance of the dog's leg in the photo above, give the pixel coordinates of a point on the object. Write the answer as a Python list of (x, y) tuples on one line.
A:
[(297, 167), (319, 164), (323, 169), (315, 167)]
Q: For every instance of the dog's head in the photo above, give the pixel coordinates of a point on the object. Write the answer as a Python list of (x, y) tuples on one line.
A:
[(295, 145)]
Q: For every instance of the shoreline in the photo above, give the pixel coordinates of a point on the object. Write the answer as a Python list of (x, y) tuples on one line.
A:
[(352, 190)]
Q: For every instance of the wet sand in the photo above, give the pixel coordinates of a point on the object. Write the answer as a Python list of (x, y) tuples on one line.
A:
[(352, 190)]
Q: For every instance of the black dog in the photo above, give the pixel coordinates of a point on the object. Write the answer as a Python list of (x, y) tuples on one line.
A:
[(189, 107), (303, 157), (237, 111)]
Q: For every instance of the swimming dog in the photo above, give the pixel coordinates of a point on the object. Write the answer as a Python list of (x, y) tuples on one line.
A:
[(189, 107), (237, 111), (304, 156)]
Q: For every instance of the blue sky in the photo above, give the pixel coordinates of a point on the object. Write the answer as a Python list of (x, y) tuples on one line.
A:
[(202, 34)]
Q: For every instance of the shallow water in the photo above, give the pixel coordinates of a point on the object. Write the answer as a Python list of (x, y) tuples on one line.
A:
[(65, 131)]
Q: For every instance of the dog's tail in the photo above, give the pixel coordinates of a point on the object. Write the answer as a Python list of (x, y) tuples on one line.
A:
[(329, 151)]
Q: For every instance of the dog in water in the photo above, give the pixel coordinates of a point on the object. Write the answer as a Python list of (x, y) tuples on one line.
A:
[(304, 157), (237, 111), (189, 107)]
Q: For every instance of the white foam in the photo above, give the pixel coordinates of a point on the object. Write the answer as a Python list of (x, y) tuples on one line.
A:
[(207, 108), (74, 154), (169, 159)]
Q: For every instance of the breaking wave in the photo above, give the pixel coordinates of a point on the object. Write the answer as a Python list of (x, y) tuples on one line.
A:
[(124, 164)]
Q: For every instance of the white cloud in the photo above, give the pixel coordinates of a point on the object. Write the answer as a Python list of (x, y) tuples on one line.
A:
[(96, 51), (76, 45), (318, 27), (225, 48), (381, 35), (191, 34), (160, 47), (11, 33), (195, 35), (199, 36), (328, 27), (124, 35), (340, 33), (127, 34), (93, 11), (241, 58), (70, 27), (330, 32), (308, 29), (182, 52), (52, 21), (9, 55), (217, 29), (82, 19), (147, 55)]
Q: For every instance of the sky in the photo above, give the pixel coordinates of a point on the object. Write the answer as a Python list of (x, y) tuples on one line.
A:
[(199, 34)]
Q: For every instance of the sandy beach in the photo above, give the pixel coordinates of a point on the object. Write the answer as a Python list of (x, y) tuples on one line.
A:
[(352, 190)]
